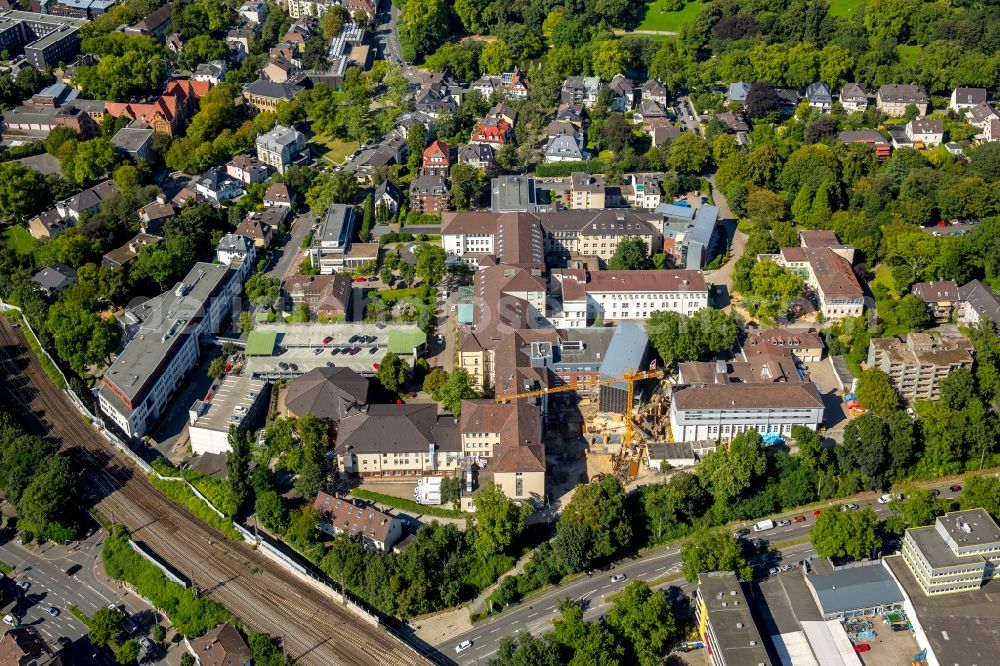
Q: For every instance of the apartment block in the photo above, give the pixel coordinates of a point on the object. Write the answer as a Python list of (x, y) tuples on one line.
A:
[(917, 363), (628, 295), (726, 624), (959, 552), (333, 239)]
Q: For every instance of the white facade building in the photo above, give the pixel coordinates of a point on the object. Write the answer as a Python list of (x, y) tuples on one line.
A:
[(238, 401), (719, 412), (279, 147)]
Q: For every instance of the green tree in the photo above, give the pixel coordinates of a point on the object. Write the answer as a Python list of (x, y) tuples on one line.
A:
[(588, 643), (434, 382), (238, 467), (392, 373), (365, 233), (271, 510), (772, 289), (911, 312), (466, 186), (713, 550), (425, 26), (609, 58), (128, 653), (217, 367), (917, 509), (981, 492), (92, 160), (730, 471), (689, 153), (876, 393), (451, 490), (845, 534), (430, 262), (46, 508), (595, 523), (645, 620), (22, 192), (81, 338), (498, 523), (158, 633), (958, 389), (458, 387), (495, 57), (524, 649), (679, 338), (105, 625), (340, 187), (631, 254), (332, 21), (262, 289)]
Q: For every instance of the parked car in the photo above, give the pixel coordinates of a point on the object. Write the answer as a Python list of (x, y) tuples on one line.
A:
[(462, 647), (73, 569), (935, 492), (617, 578), (334, 351), (145, 644), (52, 611), (317, 351), (328, 339), (373, 350), (772, 571), (9, 619), (816, 513), (862, 647), (784, 522), (740, 533), (850, 506), (955, 487), (24, 585), (799, 519)]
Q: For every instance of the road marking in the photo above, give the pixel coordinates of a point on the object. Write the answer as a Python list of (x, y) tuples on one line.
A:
[(661, 569), (604, 586), (532, 615), (496, 630)]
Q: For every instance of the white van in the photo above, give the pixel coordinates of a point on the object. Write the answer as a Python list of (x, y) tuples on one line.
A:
[(763, 526)]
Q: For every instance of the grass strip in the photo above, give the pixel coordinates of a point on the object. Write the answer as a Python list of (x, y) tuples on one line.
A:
[(406, 505)]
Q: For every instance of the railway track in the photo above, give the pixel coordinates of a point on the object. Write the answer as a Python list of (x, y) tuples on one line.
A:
[(265, 597)]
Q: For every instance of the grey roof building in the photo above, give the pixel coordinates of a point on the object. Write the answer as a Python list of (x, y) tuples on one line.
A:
[(328, 393), (135, 140), (864, 590), (727, 625), (333, 237), (564, 148), (53, 279), (978, 302), (513, 194), (738, 92), (694, 230), (628, 351), (819, 97)]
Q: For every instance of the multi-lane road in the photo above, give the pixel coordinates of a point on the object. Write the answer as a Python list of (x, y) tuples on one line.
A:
[(263, 595), (535, 614)]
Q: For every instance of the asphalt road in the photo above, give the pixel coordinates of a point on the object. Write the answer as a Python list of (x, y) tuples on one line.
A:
[(387, 34), (301, 224), (50, 586), (536, 613)]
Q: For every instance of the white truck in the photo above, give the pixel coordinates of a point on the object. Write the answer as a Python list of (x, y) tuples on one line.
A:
[(763, 525), (428, 490)]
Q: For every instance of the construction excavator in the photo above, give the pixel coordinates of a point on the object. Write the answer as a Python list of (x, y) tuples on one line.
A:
[(630, 378)]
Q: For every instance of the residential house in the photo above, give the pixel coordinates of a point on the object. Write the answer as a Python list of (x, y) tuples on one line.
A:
[(325, 296), (737, 92), (480, 155), (662, 132), (154, 214), (247, 169), (222, 646), (572, 113), (22, 645), (333, 238), (377, 530), (156, 24), (925, 132), (654, 91), (565, 149), (826, 267), (167, 113), (806, 345), (622, 93), (254, 11), (436, 159), (819, 97), (978, 302), (53, 279), (649, 110), (264, 95), (981, 116), (398, 442), (587, 191), (941, 298), (517, 84), (486, 85), (645, 190), (504, 112), (217, 185), (580, 90), (788, 101), (494, 131), (123, 256), (917, 364), (893, 99), (853, 98), (257, 229), (210, 72), (136, 140), (68, 211), (388, 198), (233, 248), (371, 160), (278, 195), (281, 147), (963, 99), (368, 7), (278, 69), (435, 100), (428, 194), (873, 138)]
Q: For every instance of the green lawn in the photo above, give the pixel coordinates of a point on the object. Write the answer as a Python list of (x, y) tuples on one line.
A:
[(844, 8), (908, 54), (332, 148), (661, 21), (19, 239), (883, 275)]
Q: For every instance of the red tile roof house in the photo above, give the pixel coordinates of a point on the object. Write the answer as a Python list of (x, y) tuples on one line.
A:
[(437, 159), (375, 529), (169, 111), (494, 131)]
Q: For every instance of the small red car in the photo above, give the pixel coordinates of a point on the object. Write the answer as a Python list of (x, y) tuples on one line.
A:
[(799, 519), (862, 647), (816, 513), (955, 488), (328, 339), (360, 279)]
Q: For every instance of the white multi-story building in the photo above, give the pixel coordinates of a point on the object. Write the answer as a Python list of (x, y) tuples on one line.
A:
[(826, 267), (165, 345), (628, 295), (719, 412), (238, 401), (333, 239), (960, 552), (279, 147)]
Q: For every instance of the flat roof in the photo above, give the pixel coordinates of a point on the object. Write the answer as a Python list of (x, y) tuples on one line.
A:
[(728, 611), (165, 320), (971, 527), (858, 587), (220, 411), (261, 343), (404, 341), (626, 350), (963, 628), (936, 551)]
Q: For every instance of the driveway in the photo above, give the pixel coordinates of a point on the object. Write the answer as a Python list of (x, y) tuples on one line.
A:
[(289, 249), (736, 241)]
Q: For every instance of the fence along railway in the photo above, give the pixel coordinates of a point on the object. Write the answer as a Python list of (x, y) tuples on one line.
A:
[(314, 628)]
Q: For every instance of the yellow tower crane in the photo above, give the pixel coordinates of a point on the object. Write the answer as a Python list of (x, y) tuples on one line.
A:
[(629, 377)]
